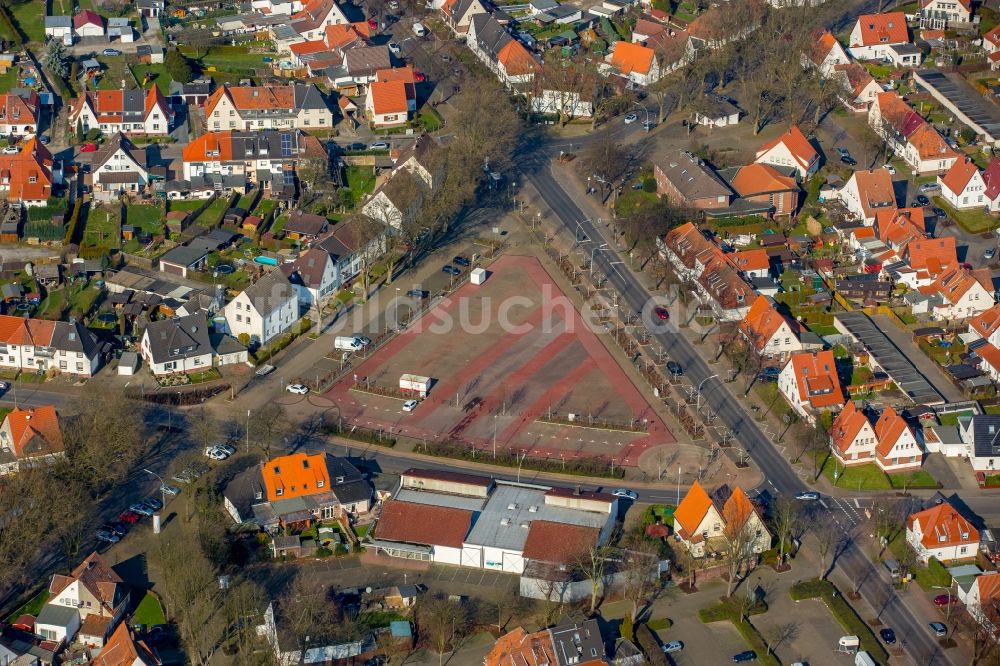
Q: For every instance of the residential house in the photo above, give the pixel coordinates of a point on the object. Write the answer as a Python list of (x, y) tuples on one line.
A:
[(386, 104), (423, 159), (565, 644), (810, 383), (197, 92), (717, 111), (294, 106), (943, 533), (278, 629), (962, 186), (59, 27), (397, 201), (28, 176), (566, 103), (404, 75), (928, 258), (852, 437), (634, 62), (133, 111), (38, 345), (705, 523), (345, 249), (867, 192), (982, 598), (177, 345), (773, 335), (240, 160), (981, 436), (125, 649), (991, 180), (825, 52), (30, 437), (264, 310), (19, 110), (297, 489), (315, 277), (305, 227), (687, 180), (873, 34), (763, 184), (989, 361), (150, 8), (95, 593), (991, 45), (959, 293), (986, 326), (316, 15), (458, 14), (898, 449), (503, 55), (88, 23), (117, 167), (909, 135), (858, 88), (941, 14), (791, 149)]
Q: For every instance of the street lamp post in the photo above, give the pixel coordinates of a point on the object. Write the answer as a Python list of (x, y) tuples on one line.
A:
[(163, 496), (592, 252), (947, 613), (248, 431), (494, 437), (698, 405)]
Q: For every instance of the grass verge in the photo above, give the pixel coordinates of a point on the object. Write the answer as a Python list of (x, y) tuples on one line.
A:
[(842, 611)]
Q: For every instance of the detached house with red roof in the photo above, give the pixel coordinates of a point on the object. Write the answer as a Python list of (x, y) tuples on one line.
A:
[(852, 437), (28, 438), (909, 135), (941, 14), (874, 34), (386, 104), (133, 111), (898, 449), (766, 189), (858, 88), (705, 522), (315, 16), (503, 55), (791, 149), (810, 383), (825, 52), (124, 649), (943, 533), (866, 193), (773, 335), (27, 177), (88, 603), (19, 113), (635, 62), (962, 186)]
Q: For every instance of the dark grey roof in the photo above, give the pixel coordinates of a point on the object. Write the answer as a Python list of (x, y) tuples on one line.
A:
[(245, 490), (306, 223), (58, 21), (692, 177), (336, 247), (75, 337), (576, 642), (356, 491), (59, 616), (986, 435), (118, 142), (225, 344), (270, 292), (308, 96), (490, 35), (266, 144), (562, 11), (185, 255), (197, 87), (366, 60), (178, 338)]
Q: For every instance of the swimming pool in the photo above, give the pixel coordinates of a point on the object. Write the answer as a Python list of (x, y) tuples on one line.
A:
[(267, 261)]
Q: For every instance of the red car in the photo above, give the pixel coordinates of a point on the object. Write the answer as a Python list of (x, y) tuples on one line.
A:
[(129, 517), (944, 600), (373, 24), (419, 77), (88, 147), (661, 313)]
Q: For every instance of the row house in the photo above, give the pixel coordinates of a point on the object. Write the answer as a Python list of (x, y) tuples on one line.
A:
[(458, 14), (241, 160), (810, 383), (942, 14), (791, 149), (991, 45), (986, 326), (28, 176), (773, 335), (503, 55), (87, 604), (38, 345), (295, 106), (909, 135), (130, 111), (19, 112), (825, 52)]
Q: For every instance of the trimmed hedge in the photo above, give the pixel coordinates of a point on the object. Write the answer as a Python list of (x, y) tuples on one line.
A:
[(845, 614), (13, 30), (74, 230), (54, 206), (729, 609), (650, 646)]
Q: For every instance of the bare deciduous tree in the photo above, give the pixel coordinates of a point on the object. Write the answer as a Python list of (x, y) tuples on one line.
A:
[(740, 536), (787, 519), (638, 567), (831, 539), (266, 424), (441, 623)]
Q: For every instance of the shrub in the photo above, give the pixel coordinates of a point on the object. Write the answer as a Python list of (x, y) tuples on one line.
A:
[(581, 466), (627, 629), (323, 551), (649, 185), (93, 134)]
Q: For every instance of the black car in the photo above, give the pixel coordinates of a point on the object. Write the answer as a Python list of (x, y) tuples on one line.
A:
[(849, 161), (418, 293), (769, 374), (461, 261), (888, 635), (746, 655), (118, 529), (939, 212), (922, 200), (450, 270), (674, 368)]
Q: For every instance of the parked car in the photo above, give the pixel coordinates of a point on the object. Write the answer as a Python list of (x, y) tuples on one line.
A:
[(129, 517), (4, 387), (169, 489), (923, 200), (891, 169), (625, 493), (140, 509), (372, 24), (297, 389), (849, 161), (939, 212), (648, 125), (661, 313), (394, 48), (215, 453), (929, 187), (107, 537), (769, 374), (115, 528), (673, 646), (945, 599), (745, 656), (419, 77), (153, 503), (410, 405), (843, 152), (88, 148), (264, 370), (888, 636), (450, 270), (44, 139), (989, 253), (11, 150), (418, 293), (674, 368), (461, 261), (229, 448), (939, 628), (379, 145), (631, 118), (807, 496), (111, 52)]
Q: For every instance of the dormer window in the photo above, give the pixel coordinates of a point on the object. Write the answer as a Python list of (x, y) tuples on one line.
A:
[(279, 492)]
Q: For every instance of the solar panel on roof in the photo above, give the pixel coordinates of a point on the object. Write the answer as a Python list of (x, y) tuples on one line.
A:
[(286, 145)]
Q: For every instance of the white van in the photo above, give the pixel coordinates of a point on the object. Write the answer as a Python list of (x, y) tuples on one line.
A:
[(350, 343), (419, 30)]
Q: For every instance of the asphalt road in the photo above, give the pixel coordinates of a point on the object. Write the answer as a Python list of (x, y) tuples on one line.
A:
[(919, 642)]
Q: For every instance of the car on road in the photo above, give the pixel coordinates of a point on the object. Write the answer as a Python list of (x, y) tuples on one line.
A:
[(4, 387), (418, 293), (661, 313), (631, 118), (674, 368), (939, 212), (379, 145), (849, 161), (888, 636), (625, 493), (111, 52), (107, 537), (410, 405), (945, 599), (264, 370), (450, 270), (394, 48), (394, 5), (372, 24), (648, 125), (215, 453), (88, 148), (939, 628), (169, 489), (673, 646), (923, 200), (745, 656), (140, 509), (843, 152), (807, 496), (297, 389), (989, 253), (460, 261), (446, 57), (929, 187)]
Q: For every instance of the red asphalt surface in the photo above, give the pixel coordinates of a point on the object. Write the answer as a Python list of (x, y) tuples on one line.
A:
[(599, 365)]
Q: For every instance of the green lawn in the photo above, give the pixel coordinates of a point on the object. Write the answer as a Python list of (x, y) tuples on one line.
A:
[(9, 80), (279, 225), (30, 19), (910, 480), (864, 477), (228, 59), (82, 298), (53, 305), (211, 216), (101, 227), (145, 217), (245, 201), (158, 74), (149, 613), (114, 72), (33, 607), (429, 119), (264, 208), (975, 221), (185, 206)]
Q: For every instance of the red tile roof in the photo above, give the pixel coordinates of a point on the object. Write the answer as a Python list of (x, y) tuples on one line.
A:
[(692, 509), (849, 422), (889, 428), (97, 576), (874, 190), (992, 36), (817, 380), (409, 522), (558, 543), (388, 97), (761, 179), (516, 59), (942, 526), (762, 321), (34, 431), (295, 475), (123, 649), (991, 177), (28, 174), (796, 143), (628, 58), (959, 175), (823, 42), (883, 29), (987, 322), (932, 254), (519, 648), (990, 356), (87, 17), (750, 260)]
